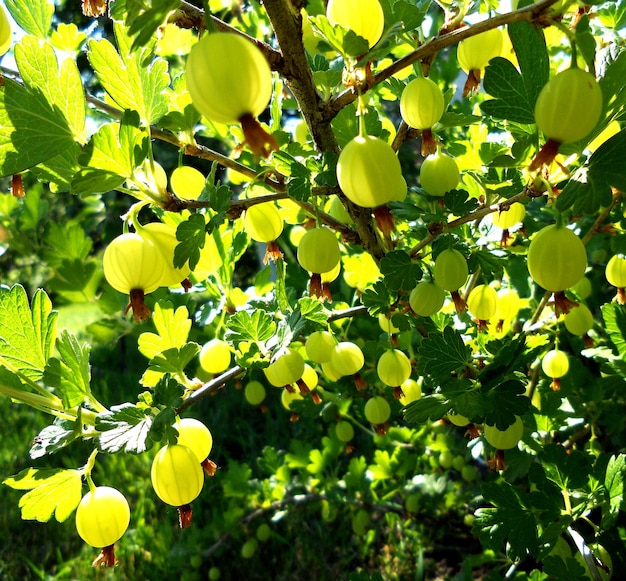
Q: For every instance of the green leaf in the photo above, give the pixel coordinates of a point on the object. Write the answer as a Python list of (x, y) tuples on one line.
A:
[(27, 121), (585, 41), (410, 14), (50, 492), (144, 23), (511, 520), (488, 263), (567, 469), (504, 402), (172, 330), (66, 240), (70, 374), (427, 408), (60, 169), (383, 468), (167, 392), (377, 298), (312, 310), (614, 484), (615, 325), (191, 235), (244, 326), (62, 87), (459, 203), (589, 188), (32, 16), (441, 354), (174, 360), (400, 272), (124, 429), (503, 80), (133, 81), (354, 45), (516, 91), (77, 280), (111, 156), (27, 332), (54, 437)]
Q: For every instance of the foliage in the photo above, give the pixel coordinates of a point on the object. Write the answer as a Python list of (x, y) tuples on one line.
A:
[(94, 118)]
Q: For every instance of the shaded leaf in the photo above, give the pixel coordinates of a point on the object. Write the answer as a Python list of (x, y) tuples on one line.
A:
[(400, 272), (54, 437), (70, 374)]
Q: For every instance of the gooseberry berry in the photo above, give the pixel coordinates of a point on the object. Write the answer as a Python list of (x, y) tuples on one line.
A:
[(450, 270), (196, 436), (508, 218), (249, 548), (567, 109), (347, 358), (377, 410), (285, 369), (344, 431), (363, 17), (263, 532), (102, 516), (263, 222), (411, 391), (187, 182), (482, 303), (215, 356), (557, 258), (439, 174), (579, 320), (369, 173), (475, 52), (421, 106), (507, 438), (133, 265), (254, 392), (615, 273), (318, 250), (163, 236), (177, 478), (6, 35), (386, 324), (555, 364), (393, 367), (223, 59), (319, 346), (426, 299)]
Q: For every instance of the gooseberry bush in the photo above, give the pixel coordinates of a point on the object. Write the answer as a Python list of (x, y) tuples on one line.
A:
[(322, 275)]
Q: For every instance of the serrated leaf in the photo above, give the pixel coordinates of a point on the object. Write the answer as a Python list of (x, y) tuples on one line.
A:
[(70, 374), (145, 22), (510, 521), (410, 14), (377, 298), (191, 236), (589, 188), (312, 310), (459, 203), (427, 408), (32, 16), (568, 469), (124, 429), (504, 402), (61, 86), (111, 156), (130, 82), (77, 280), (51, 492), (174, 360), (516, 91), (54, 437), (28, 120), (172, 330), (615, 324), (383, 468), (441, 354), (27, 332), (614, 484), (400, 272), (167, 392), (244, 326)]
